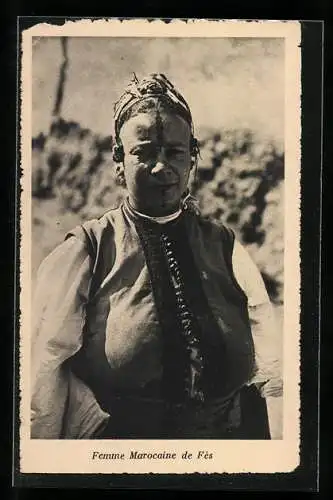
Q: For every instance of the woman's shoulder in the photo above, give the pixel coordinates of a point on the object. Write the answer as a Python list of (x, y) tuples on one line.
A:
[(92, 231), (213, 227), (108, 218), (85, 247)]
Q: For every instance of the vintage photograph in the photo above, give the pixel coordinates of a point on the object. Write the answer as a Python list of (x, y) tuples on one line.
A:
[(155, 179)]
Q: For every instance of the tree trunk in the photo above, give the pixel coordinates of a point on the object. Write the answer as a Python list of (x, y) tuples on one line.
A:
[(62, 78)]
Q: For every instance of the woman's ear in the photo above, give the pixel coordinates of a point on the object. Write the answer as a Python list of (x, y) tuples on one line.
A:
[(120, 174), (194, 149), (118, 153), (118, 158)]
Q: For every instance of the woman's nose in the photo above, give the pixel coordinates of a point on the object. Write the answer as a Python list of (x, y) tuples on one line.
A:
[(161, 164), (159, 167)]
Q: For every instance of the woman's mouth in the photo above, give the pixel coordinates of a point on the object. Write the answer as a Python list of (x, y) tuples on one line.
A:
[(165, 184)]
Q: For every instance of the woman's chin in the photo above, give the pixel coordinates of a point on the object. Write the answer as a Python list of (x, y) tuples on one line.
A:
[(159, 206), (169, 204), (162, 208)]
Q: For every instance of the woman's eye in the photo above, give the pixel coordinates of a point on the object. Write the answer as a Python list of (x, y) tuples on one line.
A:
[(150, 153), (145, 153)]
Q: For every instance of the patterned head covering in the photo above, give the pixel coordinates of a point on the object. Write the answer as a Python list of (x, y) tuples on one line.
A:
[(153, 85)]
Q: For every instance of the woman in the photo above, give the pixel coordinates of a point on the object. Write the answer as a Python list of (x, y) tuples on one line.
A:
[(152, 322)]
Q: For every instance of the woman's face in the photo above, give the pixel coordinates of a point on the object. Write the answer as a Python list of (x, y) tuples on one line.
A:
[(157, 161)]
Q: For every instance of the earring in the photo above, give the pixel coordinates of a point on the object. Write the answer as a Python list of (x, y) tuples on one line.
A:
[(189, 202)]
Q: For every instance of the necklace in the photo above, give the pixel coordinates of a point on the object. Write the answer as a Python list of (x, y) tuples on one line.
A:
[(160, 220)]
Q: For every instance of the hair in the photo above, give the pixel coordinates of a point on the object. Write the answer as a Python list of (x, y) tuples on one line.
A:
[(151, 103)]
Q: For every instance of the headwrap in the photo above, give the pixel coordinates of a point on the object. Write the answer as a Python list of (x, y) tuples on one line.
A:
[(153, 85)]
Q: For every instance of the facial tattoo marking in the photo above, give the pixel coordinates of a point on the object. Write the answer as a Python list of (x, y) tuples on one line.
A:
[(159, 137), (159, 126)]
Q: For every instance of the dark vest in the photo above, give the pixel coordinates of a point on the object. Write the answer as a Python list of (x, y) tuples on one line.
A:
[(133, 340)]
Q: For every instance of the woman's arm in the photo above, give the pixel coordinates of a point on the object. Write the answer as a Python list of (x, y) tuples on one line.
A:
[(59, 300), (266, 336)]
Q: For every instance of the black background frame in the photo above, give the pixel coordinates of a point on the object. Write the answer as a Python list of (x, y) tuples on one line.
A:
[(305, 477)]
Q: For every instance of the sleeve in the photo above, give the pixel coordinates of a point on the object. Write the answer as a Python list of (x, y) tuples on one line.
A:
[(266, 335), (60, 295)]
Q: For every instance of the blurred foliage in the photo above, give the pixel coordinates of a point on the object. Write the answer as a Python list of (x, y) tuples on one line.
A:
[(238, 180)]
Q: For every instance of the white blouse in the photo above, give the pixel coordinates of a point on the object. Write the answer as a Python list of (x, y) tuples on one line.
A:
[(69, 267)]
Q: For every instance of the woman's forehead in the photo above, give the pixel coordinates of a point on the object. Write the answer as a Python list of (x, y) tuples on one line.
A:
[(150, 126)]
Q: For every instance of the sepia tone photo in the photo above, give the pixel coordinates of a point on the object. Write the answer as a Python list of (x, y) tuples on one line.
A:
[(157, 167)]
